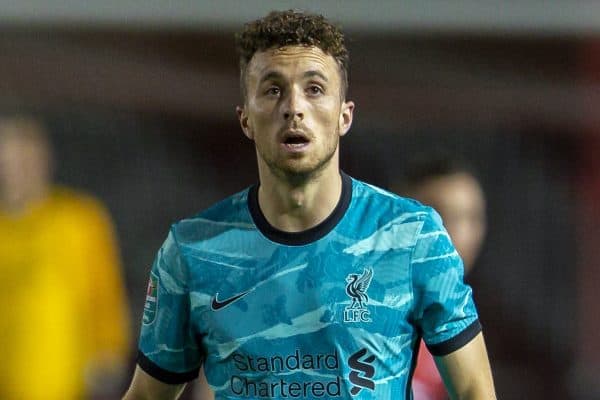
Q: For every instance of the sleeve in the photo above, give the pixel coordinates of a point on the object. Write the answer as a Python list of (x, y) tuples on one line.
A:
[(444, 307), (168, 350)]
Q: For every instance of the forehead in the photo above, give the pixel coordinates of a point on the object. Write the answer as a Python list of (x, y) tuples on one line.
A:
[(291, 60)]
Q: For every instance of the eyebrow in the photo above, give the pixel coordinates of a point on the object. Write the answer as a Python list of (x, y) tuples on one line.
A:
[(313, 73), (271, 75), (274, 75)]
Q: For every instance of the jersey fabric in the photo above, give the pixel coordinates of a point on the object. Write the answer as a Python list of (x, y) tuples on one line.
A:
[(336, 311), (62, 303)]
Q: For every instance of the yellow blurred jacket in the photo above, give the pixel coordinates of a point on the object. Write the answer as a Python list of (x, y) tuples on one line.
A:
[(62, 301)]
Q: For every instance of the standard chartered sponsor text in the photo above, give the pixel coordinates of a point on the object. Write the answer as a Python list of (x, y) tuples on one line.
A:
[(283, 376)]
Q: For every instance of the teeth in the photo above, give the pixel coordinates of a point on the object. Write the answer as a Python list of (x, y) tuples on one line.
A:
[(295, 144)]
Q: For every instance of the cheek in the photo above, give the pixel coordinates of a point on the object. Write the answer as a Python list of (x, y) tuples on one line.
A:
[(328, 117), (258, 121)]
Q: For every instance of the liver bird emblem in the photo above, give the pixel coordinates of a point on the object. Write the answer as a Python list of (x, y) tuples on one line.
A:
[(357, 287)]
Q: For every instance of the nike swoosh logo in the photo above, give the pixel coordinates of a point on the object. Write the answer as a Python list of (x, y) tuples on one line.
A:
[(217, 305)]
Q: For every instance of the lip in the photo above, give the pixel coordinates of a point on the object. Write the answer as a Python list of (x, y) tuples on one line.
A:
[(295, 147), (293, 132)]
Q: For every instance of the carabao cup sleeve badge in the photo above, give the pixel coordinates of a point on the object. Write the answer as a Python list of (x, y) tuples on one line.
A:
[(151, 300)]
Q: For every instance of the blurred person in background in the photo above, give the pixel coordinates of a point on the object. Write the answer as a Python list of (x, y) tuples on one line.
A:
[(445, 183), (268, 288), (64, 324)]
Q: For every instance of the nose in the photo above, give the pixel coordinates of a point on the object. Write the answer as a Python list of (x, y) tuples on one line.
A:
[(292, 107)]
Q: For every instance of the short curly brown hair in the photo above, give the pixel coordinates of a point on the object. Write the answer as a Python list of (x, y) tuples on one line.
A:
[(292, 27)]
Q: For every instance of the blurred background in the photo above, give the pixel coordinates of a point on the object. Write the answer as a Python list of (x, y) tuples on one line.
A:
[(139, 100)]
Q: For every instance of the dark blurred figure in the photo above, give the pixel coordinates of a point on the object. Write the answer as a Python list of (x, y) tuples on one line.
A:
[(64, 327), (446, 184)]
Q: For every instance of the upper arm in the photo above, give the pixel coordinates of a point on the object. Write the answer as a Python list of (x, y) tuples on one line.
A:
[(169, 348), (168, 354), (444, 310), (202, 390), (145, 387), (466, 371), (446, 314)]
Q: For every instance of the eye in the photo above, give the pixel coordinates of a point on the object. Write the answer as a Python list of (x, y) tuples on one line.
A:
[(273, 91), (315, 90)]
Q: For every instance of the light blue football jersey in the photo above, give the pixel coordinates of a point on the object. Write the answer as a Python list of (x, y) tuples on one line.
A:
[(334, 312)]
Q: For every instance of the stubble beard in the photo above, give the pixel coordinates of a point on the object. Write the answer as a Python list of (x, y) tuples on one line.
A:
[(299, 175)]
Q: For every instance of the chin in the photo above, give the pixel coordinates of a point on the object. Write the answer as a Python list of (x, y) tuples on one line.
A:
[(298, 172), (299, 168), (306, 165)]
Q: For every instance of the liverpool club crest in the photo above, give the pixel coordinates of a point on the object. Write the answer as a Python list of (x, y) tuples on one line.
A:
[(356, 289)]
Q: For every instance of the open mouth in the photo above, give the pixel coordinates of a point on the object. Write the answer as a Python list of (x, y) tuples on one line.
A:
[(295, 140)]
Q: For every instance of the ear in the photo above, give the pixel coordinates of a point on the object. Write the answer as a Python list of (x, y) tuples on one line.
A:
[(346, 116), (243, 118)]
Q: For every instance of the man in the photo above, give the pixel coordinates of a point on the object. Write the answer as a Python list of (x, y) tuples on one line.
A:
[(446, 184), (310, 284), (64, 326)]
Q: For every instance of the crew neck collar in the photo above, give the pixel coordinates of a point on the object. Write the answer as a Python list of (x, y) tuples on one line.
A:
[(309, 235)]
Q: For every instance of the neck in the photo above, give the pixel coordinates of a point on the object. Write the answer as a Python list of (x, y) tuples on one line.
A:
[(295, 206), (17, 203)]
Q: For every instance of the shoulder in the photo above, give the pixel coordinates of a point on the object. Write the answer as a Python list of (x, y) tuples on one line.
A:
[(383, 221), (77, 204), (391, 205), (229, 213)]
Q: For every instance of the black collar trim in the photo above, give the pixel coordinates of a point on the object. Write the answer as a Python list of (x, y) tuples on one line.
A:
[(304, 237)]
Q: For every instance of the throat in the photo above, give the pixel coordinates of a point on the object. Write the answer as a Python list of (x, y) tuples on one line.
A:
[(300, 208), (296, 213)]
